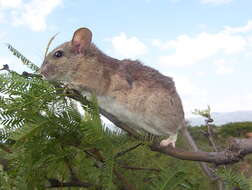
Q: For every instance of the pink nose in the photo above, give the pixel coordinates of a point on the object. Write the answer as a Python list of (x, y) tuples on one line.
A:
[(43, 70), (48, 70)]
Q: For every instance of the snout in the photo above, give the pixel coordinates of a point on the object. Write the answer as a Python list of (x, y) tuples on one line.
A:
[(45, 69), (48, 70), (40, 71)]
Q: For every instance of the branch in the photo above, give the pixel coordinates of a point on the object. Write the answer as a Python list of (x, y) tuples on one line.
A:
[(24, 74), (140, 168), (5, 67), (32, 75), (210, 135), (210, 132), (236, 151), (128, 150)]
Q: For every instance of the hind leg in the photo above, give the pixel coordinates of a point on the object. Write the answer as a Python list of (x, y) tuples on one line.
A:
[(171, 140)]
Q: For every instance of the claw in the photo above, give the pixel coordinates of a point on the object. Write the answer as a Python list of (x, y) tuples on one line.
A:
[(171, 140)]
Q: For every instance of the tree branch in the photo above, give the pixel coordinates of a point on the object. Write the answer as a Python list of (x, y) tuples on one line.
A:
[(236, 151), (32, 75), (5, 68), (210, 136), (128, 150), (210, 132)]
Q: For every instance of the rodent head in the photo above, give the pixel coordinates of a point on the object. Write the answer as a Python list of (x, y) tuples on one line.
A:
[(59, 62)]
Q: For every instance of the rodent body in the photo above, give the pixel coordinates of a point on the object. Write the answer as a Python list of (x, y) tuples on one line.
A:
[(136, 94)]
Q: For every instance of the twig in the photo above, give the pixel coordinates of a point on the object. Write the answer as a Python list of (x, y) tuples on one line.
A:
[(210, 132), (210, 136), (139, 168), (32, 75), (204, 132), (5, 67), (24, 74), (95, 153), (127, 150)]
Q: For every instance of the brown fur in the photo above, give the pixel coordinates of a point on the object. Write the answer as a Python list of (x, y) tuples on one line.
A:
[(149, 98), (133, 70)]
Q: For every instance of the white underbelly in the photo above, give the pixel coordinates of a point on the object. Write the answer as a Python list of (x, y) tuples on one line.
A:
[(135, 120)]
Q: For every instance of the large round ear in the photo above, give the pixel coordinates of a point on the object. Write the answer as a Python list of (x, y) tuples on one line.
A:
[(81, 40)]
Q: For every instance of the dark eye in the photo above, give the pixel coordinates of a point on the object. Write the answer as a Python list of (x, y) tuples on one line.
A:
[(58, 54)]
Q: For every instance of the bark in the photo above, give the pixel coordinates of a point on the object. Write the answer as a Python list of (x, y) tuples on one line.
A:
[(235, 152)]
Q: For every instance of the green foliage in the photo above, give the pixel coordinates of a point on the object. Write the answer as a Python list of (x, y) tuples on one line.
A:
[(169, 180), (204, 113), (45, 128), (237, 129), (189, 185), (232, 179)]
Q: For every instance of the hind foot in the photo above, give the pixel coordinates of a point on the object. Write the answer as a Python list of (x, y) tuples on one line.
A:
[(171, 140)]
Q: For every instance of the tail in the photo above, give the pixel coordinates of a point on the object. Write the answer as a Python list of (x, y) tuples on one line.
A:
[(188, 137), (195, 148)]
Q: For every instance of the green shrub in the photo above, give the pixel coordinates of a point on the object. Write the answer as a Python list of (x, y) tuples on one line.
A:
[(238, 129)]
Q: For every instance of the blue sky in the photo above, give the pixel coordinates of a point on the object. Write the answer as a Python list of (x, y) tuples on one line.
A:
[(205, 45)]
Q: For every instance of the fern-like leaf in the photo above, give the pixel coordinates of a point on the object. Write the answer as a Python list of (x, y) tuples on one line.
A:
[(24, 60), (169, 181), (234, 180)]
